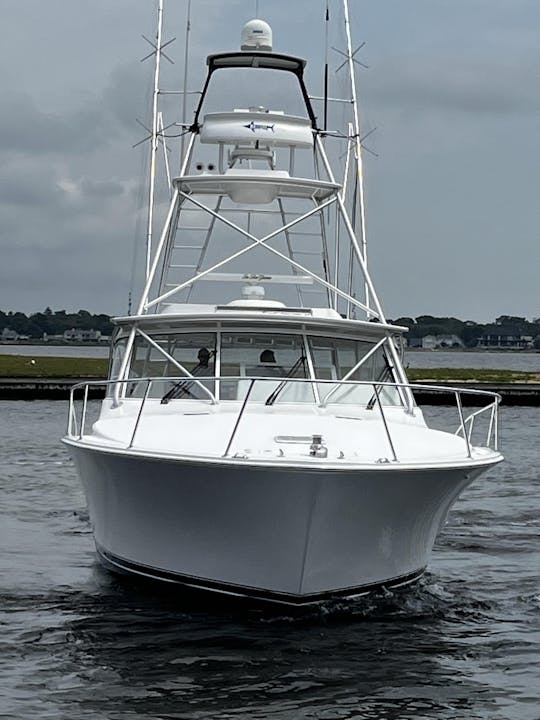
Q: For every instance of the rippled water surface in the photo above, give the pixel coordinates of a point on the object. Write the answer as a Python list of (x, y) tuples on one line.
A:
[(78, 643)]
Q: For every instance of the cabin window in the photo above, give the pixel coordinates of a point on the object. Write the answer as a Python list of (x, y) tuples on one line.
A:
[(334, 358), (195, 352), (117, 355), (273, 356)]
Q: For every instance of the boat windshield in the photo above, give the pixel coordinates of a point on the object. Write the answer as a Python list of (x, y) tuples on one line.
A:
[(346, 359), (279, 358), (264, 355), (179, 354), (263, 87)]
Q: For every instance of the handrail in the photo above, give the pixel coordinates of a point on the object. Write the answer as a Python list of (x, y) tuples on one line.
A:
[(411, 386), (460, 413), (75, 430), (85, 405), (471, 418), (72, 417)]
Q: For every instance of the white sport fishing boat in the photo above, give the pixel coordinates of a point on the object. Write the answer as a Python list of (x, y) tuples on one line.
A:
[(267, 443)]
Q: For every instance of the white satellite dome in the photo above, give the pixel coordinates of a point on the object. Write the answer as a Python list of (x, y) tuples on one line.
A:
[(256, 35)]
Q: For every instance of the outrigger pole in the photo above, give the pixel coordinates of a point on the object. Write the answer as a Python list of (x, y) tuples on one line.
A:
[(357, 143), (154, 141)]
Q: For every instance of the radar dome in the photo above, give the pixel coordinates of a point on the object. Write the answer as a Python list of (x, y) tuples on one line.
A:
[(257, 35)]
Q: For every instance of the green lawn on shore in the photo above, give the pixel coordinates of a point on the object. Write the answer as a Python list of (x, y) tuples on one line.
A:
[(19, 366), (471, 375)]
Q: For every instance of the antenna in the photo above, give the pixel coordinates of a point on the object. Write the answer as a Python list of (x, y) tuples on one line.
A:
[(327, 22)]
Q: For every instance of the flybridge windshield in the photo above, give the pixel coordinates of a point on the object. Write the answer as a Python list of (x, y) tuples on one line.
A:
[(269, 89)]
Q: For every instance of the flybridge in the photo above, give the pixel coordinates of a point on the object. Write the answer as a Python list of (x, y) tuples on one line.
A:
[(260, 61), (266, 197), (270, 196)]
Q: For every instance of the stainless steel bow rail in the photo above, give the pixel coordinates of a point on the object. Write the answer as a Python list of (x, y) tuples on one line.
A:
[(78, 404)]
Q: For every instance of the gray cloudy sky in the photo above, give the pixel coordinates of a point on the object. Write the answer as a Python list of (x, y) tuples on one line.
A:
[(452, 200)]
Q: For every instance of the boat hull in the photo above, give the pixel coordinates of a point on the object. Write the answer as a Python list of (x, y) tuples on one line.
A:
[(294, 535)]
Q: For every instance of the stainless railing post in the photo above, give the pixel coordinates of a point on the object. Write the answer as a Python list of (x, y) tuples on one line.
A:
[(252, 383), (83, 418), (376, 391), (490, 426), (69, 429), (471, 425), (463, 428), (496, 435), (148, 385)]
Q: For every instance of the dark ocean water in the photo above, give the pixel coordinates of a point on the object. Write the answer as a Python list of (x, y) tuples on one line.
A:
[(78, 643)]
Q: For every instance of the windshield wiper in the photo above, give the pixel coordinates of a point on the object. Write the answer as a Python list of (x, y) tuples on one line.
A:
[(181, 388), (270, 400), (385, 372)]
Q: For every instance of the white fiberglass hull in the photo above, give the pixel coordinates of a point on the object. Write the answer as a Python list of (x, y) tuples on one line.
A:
[(290, 534)]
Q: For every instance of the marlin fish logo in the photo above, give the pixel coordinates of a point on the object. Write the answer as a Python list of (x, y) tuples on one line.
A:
[(253, 126)]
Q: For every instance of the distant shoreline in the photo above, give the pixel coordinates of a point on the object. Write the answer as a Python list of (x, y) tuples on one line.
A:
[(52, 343), (481, 348)]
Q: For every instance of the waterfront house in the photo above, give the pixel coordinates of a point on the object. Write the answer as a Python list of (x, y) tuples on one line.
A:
[(9, 335), (80, 335)]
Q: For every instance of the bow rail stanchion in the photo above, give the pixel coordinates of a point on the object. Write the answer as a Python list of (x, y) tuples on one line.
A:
[(239, 418)]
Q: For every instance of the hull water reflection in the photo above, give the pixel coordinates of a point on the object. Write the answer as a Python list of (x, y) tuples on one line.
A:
[(79, 642)]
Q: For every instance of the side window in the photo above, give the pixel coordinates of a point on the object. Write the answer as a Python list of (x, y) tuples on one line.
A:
[(334, 358), (117, 355), (195, 352)]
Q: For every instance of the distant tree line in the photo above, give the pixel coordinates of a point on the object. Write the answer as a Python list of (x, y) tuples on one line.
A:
[(53, 323), (50, 323), (471, 333)]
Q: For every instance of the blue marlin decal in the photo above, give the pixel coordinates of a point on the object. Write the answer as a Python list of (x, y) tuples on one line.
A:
[(253, 126)]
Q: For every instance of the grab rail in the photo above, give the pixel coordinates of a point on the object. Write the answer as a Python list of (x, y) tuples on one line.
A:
[(76, 430), (493, 422)]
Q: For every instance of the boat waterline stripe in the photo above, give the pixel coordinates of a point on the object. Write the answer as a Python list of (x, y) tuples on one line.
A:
[(250, 592)]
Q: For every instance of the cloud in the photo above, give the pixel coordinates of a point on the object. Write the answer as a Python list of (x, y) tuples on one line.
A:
[(452, 82), (459, 86), (24, 128)]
